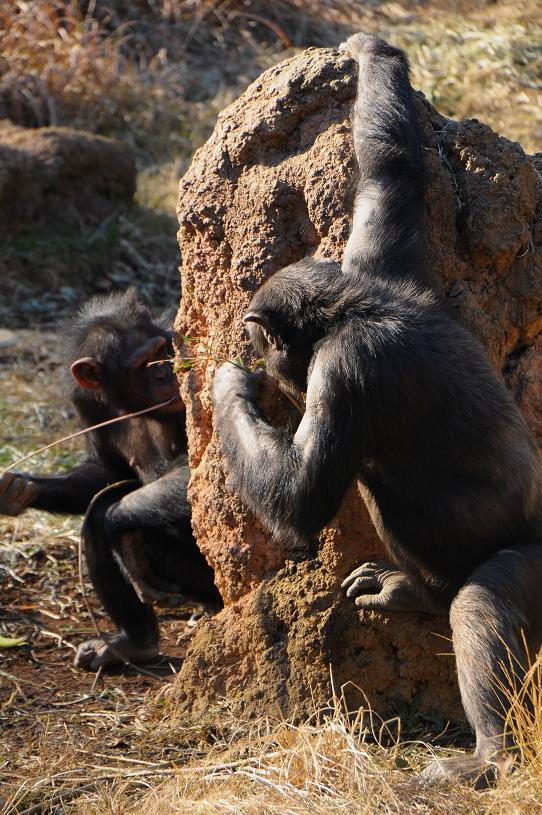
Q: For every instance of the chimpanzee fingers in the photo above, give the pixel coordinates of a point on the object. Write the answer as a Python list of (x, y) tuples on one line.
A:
[(369, 584), (17, 489), (369, 569), (372, 602), (357, 44), (229, 379), (25, 497), (6, 481), (86, 653), (96, 653), (394, 593), (118, 649), (361, 571), (16, 494)]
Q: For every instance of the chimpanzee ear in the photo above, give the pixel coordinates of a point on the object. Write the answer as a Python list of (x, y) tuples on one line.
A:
[(269, 330), (86, 372)]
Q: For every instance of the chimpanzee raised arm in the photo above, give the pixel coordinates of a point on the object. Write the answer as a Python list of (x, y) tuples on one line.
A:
[(391, 181), (294, 484), (137, 534), (69, 492)]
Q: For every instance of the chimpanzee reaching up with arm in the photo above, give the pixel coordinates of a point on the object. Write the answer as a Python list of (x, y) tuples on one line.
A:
[(400, 397), (137, 534)]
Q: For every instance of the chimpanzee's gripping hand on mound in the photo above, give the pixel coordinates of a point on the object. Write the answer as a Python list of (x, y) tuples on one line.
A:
[(382, 586), (360, 43)]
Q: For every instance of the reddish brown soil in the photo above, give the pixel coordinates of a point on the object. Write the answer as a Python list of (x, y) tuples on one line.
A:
[(46, 704)]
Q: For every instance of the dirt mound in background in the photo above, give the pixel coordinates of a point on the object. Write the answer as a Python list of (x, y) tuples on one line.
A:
[(56, 177), (270, 186)]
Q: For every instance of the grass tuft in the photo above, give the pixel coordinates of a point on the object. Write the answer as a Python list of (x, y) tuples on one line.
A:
[(155, 74)]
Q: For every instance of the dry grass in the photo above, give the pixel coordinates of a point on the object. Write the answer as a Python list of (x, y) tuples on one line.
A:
[(61, 65), (331, 765), (486, 65), (33, 407), (142, 70), (144, 75), (155, 74), (114, 69), (44, 276)]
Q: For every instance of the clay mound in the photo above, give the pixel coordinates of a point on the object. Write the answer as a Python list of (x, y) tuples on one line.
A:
[(271, 185), (56, 177)]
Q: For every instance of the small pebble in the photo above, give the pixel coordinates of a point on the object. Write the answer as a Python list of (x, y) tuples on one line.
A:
[(7, 338)]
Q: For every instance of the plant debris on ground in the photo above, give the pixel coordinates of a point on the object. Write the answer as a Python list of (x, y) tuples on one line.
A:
[(52, 715), (154, 74)]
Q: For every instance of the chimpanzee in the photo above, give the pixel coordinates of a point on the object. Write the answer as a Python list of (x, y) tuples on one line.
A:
[(402, 398), (136, 533)]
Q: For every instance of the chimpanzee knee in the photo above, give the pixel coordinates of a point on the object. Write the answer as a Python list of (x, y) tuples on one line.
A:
[(114, 589), (496, 621)]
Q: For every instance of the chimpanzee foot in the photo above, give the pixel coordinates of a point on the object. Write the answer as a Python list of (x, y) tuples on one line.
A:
[(113, 650), (481, 773), (381, 586)]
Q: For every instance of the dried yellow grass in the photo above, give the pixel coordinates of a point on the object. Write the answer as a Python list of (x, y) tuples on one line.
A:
[(334, 764), (61, 64), (55, 57)]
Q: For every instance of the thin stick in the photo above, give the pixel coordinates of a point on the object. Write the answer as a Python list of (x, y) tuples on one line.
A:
[(96, 679), (84, 591), (88, 430), (238, 364)]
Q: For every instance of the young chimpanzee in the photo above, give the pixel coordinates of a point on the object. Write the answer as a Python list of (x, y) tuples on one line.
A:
[(402, 398), (136, 533)]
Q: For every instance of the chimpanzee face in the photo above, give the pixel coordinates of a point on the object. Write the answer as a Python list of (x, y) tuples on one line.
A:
[(285, 361), (285, 319), (133, 370), (147, 373)]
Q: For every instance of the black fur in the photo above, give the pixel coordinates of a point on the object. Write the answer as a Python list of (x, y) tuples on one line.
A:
[(146, 519), (400, 397)]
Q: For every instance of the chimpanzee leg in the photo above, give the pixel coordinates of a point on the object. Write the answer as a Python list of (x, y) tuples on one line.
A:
[(161, 512), (157, 515), (137, 640), (496, 622), (134, 553)]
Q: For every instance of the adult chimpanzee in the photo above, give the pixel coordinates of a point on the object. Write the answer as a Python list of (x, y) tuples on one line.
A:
[(136, 533), (402, 398)]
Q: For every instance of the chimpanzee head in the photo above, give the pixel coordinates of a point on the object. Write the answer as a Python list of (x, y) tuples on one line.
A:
[(289, 314), (114, 345)]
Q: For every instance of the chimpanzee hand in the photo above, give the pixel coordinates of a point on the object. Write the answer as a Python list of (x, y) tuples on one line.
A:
[(232, 380), (16, 493), (382, 586), (360, 43)]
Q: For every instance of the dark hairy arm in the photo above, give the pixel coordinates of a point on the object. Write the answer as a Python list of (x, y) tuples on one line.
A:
[(69, 492), (388, 209), (293, 483)]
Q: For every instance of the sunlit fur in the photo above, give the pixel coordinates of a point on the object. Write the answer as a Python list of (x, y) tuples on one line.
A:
[(401, 398)]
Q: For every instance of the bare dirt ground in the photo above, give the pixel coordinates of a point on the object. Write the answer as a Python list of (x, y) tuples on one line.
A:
[(48, 709), (73, 742)]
